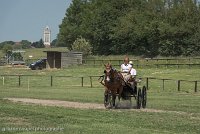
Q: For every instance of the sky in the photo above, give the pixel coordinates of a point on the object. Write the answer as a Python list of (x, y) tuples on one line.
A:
[(26, 19)]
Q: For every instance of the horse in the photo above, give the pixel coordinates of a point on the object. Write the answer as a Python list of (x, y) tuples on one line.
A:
[(113, 82)]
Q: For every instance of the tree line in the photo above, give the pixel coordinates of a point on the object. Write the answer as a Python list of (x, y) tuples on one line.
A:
[(138, 27), (8, 46)]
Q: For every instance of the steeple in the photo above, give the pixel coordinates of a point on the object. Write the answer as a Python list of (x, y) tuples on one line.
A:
[(47, 37)]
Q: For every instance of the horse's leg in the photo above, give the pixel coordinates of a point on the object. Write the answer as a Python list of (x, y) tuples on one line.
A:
[(106, 103), (106, 95), (119, 96), (113, 97), (120, 92)]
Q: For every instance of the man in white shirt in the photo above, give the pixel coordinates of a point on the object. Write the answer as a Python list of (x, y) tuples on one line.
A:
[(126, 69)]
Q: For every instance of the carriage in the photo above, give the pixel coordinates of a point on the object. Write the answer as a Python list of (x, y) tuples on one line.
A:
[(139, 94), (117, 87)]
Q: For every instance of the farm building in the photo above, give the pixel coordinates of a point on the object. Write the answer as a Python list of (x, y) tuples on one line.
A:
[(58, 59)]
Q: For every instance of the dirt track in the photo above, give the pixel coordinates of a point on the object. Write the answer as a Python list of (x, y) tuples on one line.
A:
[(58, 103), (80, 105)]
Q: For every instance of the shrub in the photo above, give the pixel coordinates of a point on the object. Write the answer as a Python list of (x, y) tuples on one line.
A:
[(80, 44)]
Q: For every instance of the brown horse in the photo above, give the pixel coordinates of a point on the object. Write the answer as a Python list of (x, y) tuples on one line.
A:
[(113, 83)]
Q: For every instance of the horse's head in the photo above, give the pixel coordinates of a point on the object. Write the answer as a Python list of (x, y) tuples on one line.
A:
[(109, 72)]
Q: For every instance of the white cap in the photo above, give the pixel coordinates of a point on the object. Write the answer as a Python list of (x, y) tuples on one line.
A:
[(130, 62)]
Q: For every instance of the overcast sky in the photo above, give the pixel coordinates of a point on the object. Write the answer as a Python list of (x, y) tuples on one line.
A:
[(26, 19)]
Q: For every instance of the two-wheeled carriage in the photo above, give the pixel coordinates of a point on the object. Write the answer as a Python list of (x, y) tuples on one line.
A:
[(115, 86), (138, 93)]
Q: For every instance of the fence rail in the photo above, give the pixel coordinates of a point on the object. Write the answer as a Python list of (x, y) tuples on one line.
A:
[(148, 62), (178, 83), (87, 81)]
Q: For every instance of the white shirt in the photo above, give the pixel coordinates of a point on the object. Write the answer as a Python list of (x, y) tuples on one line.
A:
[(133, 72), (126, 68)]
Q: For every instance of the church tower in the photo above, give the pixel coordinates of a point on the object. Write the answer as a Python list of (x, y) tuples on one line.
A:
[(47, 37)]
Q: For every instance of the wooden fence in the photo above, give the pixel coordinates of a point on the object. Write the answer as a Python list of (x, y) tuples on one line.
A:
[(141, 63), (148, 62), (163, 80), (89, 81)]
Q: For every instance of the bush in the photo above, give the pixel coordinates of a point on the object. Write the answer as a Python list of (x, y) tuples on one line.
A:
[(80, 44)]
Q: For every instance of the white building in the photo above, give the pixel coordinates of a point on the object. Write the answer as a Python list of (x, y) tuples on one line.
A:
[(47, 37)]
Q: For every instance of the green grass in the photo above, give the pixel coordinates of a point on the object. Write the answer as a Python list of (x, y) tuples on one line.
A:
[(37, 53), (175, 101), (43, 78), (186, 103), (190, 74), (97, 121)]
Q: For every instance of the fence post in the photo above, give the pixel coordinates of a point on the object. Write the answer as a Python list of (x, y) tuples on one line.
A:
[(179, 85), (82, 81), (3, 80), (19, 80), (147, 83), (91, 80), (195, 86), (51, 80), (28, 84)]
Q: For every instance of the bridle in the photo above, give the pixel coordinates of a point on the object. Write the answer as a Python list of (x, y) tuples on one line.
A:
[(109, 74)]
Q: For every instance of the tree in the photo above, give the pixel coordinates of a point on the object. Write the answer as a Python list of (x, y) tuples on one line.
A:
[(7, 50), (80, 44), (25, 44), (6, 43), (38, 44), (71, 28), (140, 27), (54, 42)]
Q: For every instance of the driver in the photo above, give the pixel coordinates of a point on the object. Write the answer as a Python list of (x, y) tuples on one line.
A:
[(126, 69)]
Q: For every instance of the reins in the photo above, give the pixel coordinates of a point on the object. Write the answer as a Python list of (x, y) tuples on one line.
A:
[(102, 78)]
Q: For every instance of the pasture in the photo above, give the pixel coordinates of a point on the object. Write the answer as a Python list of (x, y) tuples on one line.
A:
[(168, 111)]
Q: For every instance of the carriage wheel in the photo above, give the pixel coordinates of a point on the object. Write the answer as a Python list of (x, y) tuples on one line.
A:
[(144, 96), (139, 99)]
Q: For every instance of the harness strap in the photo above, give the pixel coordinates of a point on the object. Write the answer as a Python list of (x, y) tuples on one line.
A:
[(102, 78)]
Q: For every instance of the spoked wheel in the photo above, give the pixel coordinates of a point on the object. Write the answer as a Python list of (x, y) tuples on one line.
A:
[(144, 97), (139, 99)]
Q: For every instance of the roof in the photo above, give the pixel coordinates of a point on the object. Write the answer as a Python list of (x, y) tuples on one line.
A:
[(55, 51), (74, 52)]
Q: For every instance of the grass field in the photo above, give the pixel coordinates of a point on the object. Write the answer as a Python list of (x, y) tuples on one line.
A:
[(185, 104), (37, 53)]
